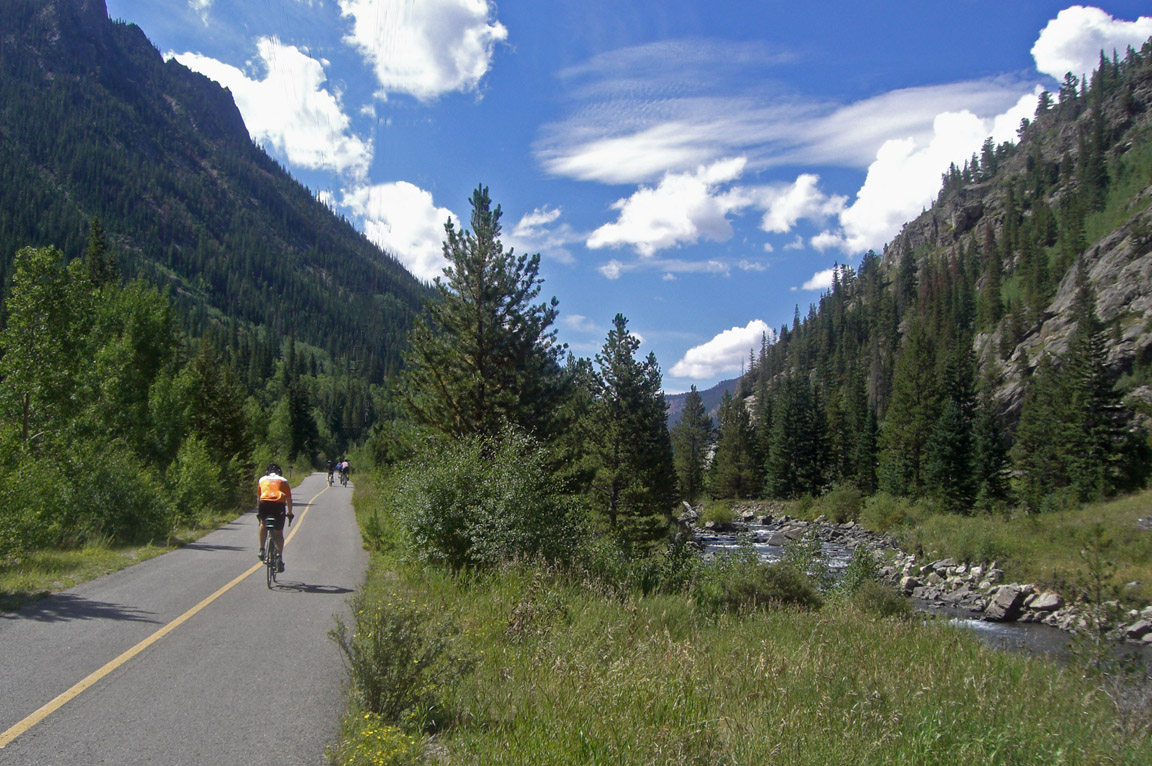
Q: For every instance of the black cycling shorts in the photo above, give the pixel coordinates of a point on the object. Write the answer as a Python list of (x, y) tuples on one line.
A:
[(272, 509)]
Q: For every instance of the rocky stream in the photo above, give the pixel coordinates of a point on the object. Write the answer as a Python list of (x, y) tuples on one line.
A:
[(1009, 615)]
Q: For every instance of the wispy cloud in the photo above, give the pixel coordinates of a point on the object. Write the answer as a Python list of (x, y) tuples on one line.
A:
[(289, 109), (662, 112), (542, 231), (428, 48), (638, 113), (201, 8), (402, 219)]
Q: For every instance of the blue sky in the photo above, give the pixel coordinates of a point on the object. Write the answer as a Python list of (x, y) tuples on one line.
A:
[(699, 166)]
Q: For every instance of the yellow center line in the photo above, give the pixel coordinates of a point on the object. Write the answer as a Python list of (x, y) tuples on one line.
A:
[(75, 691)]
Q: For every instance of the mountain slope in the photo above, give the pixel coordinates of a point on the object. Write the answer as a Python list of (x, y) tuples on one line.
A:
[(93, 122)]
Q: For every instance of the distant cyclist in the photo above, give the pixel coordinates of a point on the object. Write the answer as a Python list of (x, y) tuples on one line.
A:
[(274, 502), (345, 471), (331, 470)]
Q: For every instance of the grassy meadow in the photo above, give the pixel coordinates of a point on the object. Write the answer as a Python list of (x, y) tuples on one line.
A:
[(545, 667)]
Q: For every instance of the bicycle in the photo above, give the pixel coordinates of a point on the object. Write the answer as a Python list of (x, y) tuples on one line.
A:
[(344, 478), (271, 555)]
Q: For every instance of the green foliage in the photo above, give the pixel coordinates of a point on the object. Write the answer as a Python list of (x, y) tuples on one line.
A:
[(477, 501), (399, 659), (634, 484), (806, 556), (690, 439), (740, 582), (884, 512), (735, 469), (103, 145), (484, 356), (795, 461), (875, 598), (861, 570), (195, 481), (841, 504), (621, 571), (718, 511)]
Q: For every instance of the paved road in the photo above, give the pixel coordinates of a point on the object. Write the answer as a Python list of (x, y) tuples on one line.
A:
[(251, 676)]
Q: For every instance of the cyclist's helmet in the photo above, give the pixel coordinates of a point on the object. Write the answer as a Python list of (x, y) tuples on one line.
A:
[(274, 468)]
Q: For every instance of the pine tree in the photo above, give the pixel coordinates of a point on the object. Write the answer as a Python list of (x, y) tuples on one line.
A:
[(734, 470), (1040, 438), (484, 355), (1093, 404), (911, 415), (989, 456), (100, 263), (215, 407), (691, 437), (796, 460), (635, 481)]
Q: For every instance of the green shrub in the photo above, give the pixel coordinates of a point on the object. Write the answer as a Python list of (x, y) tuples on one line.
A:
[(861, 569), (613, 569), (481, 501), (883, 512), (398, 658), (879, 599), (740, 581), (806, 555), (195, 482), (842, 504), (120, 499), (718, 512)]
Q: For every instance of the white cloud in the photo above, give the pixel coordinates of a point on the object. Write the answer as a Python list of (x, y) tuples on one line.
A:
[(795, 244), (821, 280), (425, 48), (683, 208), (612, 270), (787, 204), (581, 323), (539, 232), (904, 179), (639, 113), (201, 8), (1072, 41), (290, 110), (402, 219), (726, 353), (827, 240), (746, 265)]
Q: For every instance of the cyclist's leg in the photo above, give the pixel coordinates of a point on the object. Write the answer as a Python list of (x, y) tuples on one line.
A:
[(263, 534)]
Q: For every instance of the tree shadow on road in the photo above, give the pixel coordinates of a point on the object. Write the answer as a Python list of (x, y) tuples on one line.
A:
[(64, 607)]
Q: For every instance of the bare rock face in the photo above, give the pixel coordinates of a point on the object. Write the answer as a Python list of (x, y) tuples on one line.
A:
[(1046, 602), (1006, 604)]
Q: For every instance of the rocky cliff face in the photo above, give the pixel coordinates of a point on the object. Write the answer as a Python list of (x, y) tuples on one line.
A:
[(1119, 262)]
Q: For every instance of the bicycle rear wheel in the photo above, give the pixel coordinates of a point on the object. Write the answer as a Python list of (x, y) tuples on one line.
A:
[(271, 560)]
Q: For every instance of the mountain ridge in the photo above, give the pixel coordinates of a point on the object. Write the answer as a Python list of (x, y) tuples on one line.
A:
[(94, 123)]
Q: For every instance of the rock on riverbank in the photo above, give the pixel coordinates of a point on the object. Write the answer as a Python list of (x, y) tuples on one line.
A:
[(976, 588)]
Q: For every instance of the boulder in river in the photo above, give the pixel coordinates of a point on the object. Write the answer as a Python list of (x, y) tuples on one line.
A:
[(1006, 604)]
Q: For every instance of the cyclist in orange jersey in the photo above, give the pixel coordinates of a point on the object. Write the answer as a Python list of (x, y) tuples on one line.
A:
[(274, 502)]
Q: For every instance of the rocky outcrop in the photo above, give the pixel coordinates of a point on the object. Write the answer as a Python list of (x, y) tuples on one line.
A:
[(980, 590), (976, 588)]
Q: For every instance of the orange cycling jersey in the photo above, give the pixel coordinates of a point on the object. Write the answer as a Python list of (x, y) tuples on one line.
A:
[(275, 488)]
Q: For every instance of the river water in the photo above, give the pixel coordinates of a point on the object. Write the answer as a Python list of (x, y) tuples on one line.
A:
[(1030, 638)]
